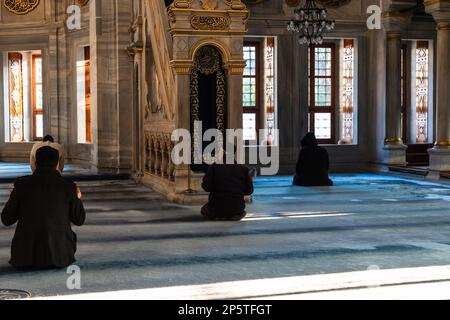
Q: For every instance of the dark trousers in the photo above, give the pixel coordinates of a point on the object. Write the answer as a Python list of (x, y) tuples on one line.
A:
[(209, 214)]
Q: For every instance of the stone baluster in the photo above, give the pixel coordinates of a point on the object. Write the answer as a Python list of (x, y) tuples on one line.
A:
[(171, 164), (163, 156), (148, 153), (152, 154)]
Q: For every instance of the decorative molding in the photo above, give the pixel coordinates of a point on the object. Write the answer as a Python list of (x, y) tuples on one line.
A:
[(20, 7), (443, 26), (210, 22), (208, 61), (393, 140), (292, 3), (182, 67), (253, 2), (333, 3), (209, 4), (442, 144), (82, 2)]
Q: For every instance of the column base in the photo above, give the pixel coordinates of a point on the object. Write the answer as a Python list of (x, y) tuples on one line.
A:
[(440, 158), (395, 154)]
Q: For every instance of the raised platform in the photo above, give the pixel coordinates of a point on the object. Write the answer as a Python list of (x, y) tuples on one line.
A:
[(422, 171), (11, 171)]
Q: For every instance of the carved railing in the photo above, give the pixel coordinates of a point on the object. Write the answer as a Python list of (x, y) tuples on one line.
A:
[(158, 155), (155, 15)]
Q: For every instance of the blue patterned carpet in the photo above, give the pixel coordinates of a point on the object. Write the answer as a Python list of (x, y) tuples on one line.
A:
[(134, 239)]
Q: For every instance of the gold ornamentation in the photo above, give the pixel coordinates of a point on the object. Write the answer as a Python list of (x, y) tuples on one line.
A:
[(209, 4), (442, 143), (220, 100), (333, 3), (183, 4), (253, 1), (208, 61), (82, 2), (210, 22), (393, 140), (292, 3), (21, 7), (443, 26)]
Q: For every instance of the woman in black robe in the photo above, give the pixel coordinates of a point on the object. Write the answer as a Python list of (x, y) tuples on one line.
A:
[(313, 164)]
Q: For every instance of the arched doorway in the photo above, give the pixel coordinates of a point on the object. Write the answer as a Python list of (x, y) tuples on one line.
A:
[(208, 97)]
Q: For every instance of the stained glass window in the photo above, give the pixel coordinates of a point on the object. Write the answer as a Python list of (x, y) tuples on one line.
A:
[(269, 89), (26, 97), (249, 126), (347, 97), (322, 126), (250, 91), (422, 91), (321, 91), (84, 95), (16, 106), (250, 76), (38, 129)]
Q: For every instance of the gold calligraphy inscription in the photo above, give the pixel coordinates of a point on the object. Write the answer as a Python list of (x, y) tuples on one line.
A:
[(210, 22)]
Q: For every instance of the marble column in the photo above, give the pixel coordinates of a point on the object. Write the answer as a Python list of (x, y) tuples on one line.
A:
[(440, 154), (394, 149)]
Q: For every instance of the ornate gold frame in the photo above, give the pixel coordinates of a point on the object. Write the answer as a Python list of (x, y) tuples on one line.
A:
[(20, 7), (207, 67)]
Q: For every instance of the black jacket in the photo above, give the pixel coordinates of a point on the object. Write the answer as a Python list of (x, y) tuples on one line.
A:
[(312, 167), (227, 184), (44, 205)]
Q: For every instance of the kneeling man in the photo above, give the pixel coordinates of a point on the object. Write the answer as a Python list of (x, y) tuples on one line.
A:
[(228, 185), (44, 205)]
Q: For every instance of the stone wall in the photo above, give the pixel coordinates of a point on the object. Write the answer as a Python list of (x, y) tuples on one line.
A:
[(270, 18), (104, 26)]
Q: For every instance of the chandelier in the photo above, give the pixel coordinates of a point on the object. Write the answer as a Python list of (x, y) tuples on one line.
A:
[(309, 22)]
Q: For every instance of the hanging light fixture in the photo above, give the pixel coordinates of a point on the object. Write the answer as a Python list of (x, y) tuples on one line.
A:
[(310, 22)]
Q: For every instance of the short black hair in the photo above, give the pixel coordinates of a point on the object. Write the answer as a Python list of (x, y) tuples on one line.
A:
[(47, 157), (49, 138)]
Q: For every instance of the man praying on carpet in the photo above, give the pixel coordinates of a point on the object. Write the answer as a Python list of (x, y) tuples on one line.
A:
[(48, 141), (44, 205), (228, 185)]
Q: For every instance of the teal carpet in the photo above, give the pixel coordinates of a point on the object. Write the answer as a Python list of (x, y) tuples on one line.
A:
[(133, 239)]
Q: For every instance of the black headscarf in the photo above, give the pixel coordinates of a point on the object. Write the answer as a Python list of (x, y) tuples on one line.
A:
[(47, 157), (309, 140)]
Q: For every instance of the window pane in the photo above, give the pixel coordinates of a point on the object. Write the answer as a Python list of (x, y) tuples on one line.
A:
[(323, 92), (39, 126), (322, 125), (16, 105), (38, 62), (347, 94), (83, 95), (323, 62), (422, 82), (249, 126), (38, 89), (249, 92), (249, 81), (250, 58)]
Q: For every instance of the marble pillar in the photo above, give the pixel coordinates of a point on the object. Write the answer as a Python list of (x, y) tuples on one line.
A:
[(394, 148), (440, 154)]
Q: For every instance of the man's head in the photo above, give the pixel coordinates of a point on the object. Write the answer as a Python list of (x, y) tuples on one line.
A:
[(47, 157), (49, 138)]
